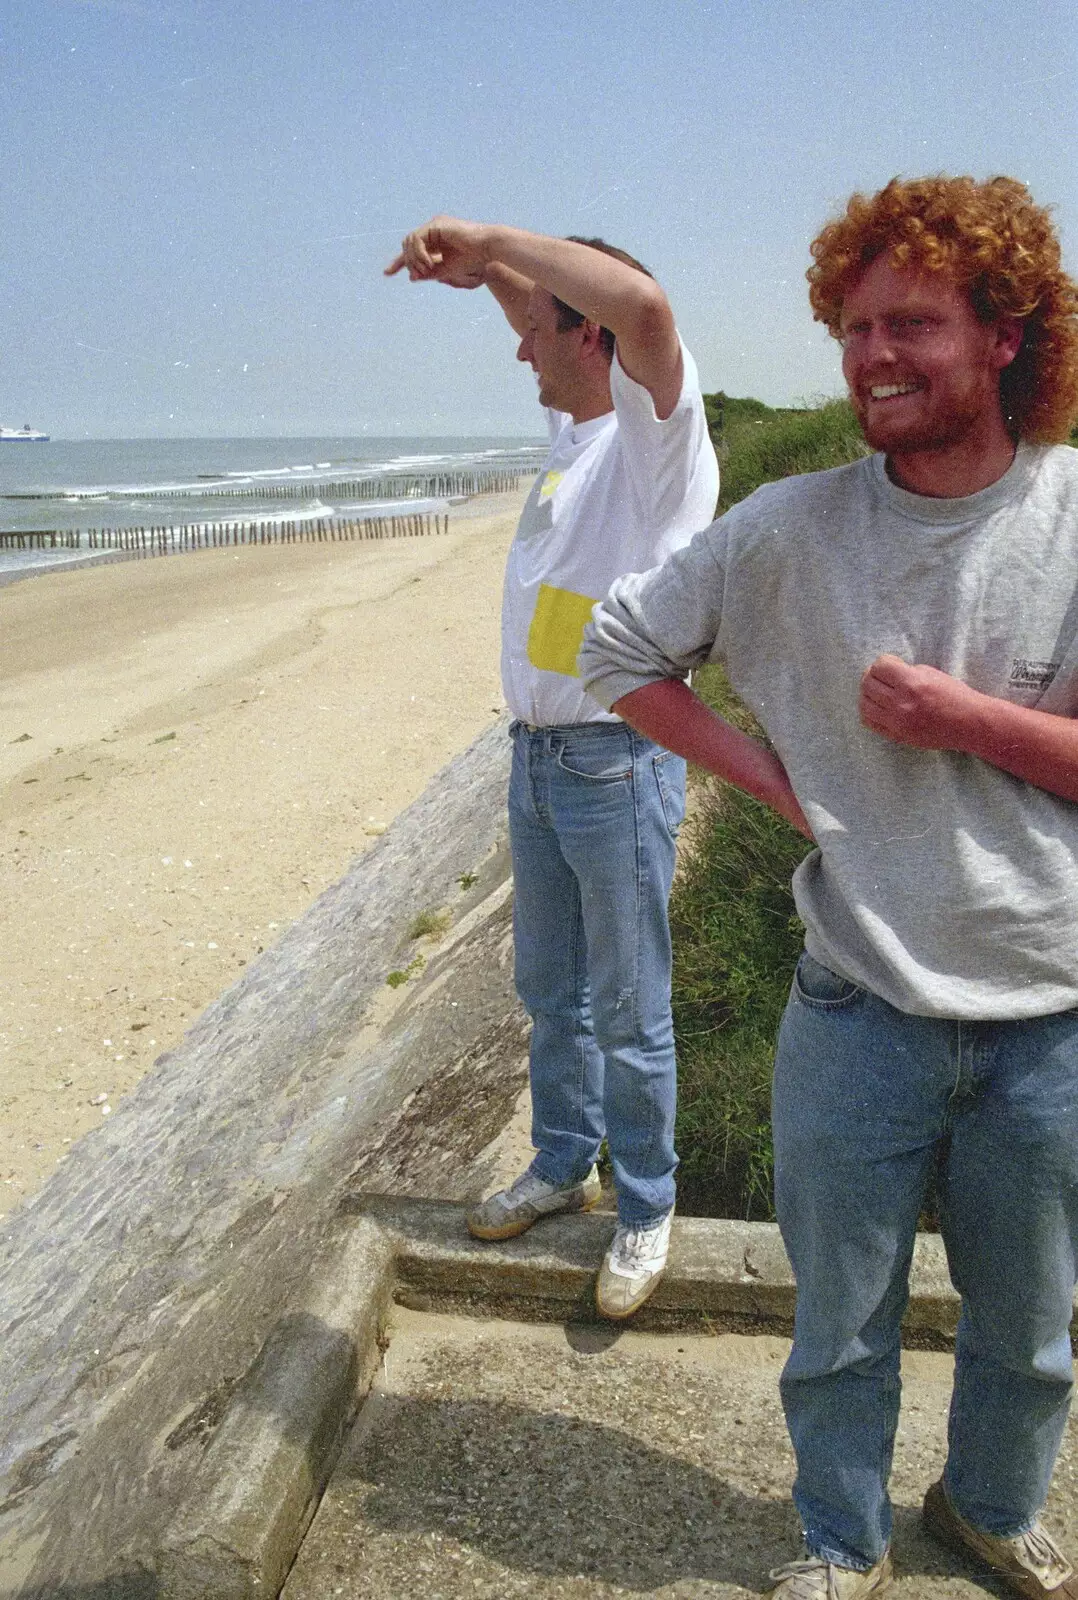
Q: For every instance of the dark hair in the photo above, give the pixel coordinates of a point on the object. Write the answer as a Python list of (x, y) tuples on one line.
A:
[(992, 242), (569, 317)]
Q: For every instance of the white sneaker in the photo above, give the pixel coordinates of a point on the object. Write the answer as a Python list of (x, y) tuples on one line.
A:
[(817, 1579), (513, 1210), (632, 1267)]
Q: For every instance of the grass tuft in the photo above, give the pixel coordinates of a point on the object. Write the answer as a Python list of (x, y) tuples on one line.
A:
[(429, 924), (401, 974)]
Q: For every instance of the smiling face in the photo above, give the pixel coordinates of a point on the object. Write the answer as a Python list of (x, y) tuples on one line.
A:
[(923, 371)]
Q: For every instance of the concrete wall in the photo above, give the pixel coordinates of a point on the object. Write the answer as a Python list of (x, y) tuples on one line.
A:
[(139, 1285)]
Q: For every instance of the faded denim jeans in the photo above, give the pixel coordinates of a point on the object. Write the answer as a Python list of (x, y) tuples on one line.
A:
[(867, 1100), (593, 814)]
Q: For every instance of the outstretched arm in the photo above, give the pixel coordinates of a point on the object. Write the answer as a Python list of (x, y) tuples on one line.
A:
[(921, 706), (669, 713), (512, 291), (601, 288)]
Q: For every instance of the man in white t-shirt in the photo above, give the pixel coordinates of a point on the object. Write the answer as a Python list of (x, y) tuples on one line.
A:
[(594, 806)]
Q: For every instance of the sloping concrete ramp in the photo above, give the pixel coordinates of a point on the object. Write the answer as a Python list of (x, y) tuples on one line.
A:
[(140, 1284)]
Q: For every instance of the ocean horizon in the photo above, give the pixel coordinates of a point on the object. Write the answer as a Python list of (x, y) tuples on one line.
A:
[(75, 485)]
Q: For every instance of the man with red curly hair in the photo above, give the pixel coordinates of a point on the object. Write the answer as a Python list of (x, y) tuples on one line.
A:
[(906, 630)]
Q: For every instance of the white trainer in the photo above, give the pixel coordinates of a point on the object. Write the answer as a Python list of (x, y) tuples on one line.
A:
[(817, 1579), (632, 1267), (513, 1210)]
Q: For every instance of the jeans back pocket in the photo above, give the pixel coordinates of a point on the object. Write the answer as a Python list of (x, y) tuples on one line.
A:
[(669, 772)]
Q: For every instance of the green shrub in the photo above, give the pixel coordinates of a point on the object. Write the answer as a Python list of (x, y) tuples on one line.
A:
[(735, 928), (736, 940), (759, 449)]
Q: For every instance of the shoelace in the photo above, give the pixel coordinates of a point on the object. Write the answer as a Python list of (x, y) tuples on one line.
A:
[(806, 1569), (633, 1247), (527, 1187), (1040, 1549)]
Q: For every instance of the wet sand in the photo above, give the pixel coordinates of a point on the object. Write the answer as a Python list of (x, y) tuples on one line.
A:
[(191, 749)]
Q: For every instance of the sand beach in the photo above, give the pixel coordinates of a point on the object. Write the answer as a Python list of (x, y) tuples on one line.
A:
[(191, 749)]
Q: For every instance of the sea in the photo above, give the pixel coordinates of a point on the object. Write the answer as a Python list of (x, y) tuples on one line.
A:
[(73, 486)]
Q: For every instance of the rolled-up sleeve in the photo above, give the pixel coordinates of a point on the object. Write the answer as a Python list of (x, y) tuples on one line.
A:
[(657, 624)]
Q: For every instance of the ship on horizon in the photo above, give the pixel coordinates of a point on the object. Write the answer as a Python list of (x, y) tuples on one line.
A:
[(25, 433)]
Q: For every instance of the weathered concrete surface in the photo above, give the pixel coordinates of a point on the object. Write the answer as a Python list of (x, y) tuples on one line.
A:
[(138, 1287), (494, 1460), (259, 1479), (263, 1474), (721, 1275)]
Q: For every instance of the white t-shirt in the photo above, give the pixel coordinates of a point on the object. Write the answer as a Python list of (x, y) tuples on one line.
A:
[(617, 494)]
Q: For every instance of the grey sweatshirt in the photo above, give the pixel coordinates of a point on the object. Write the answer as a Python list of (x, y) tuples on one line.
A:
[(941, 883)]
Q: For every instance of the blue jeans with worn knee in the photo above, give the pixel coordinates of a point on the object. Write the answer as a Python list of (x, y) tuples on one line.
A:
[(868, 1100), (593, 814)]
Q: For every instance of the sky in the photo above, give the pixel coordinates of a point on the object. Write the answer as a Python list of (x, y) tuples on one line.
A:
[(198, 196)]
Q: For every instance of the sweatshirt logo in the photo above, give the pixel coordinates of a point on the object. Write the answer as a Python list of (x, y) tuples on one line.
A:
[(1032, 674)]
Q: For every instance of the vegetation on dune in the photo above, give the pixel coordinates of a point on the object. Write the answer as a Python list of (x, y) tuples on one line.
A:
[(736, 937), (735, 929), (756, 444)]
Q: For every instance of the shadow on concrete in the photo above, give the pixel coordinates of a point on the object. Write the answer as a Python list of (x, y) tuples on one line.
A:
[(591, 1339), (135, 1585), (550, 1498), (556, 1497), (553, 1497)]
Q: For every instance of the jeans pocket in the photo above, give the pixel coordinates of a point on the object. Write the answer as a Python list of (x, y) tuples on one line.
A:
[(816, 985), (600, 760), (670, 782)]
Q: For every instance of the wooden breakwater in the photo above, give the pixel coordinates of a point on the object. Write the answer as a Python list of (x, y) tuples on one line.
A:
[(42, 539), (167, 540), (431, 486)]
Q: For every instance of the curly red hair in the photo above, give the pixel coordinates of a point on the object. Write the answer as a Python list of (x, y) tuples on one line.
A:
[(991, 240)]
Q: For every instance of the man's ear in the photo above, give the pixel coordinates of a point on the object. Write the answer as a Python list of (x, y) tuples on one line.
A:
[(1009, 332), (591, 342)]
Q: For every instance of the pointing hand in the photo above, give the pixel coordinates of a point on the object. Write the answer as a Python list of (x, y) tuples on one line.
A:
[(444, 250)]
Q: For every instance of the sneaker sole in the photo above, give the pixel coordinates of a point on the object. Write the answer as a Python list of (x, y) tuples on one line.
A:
[(510, 1230)]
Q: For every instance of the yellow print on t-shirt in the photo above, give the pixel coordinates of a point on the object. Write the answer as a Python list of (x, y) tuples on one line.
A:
[(550, 483), (557, 629)]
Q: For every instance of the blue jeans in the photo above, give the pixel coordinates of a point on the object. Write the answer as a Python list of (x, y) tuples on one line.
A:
[(867, 1100), (593, 814)]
